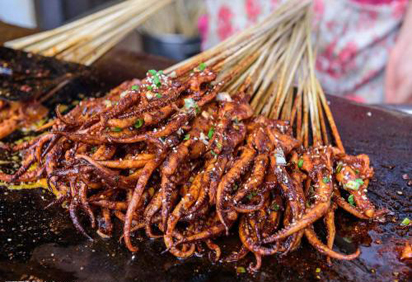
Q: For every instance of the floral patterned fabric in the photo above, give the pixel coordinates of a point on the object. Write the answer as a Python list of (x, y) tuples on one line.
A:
[(353, 38)]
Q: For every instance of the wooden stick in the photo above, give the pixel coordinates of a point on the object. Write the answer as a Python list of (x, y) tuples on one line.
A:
[(23, 42)]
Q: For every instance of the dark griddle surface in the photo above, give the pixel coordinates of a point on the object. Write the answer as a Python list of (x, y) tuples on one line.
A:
[(43, 243)]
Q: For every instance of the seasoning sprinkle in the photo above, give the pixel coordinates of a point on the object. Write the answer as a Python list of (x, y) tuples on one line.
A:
[(251, 195), (406, 221), (211, 132), (300, 163), (351, 200), (202, 67), (190, 103), (138, 123), (275, 207), (156, 81), (352, 185), (360, 181), (326, 180), (240, 269), (339, 168)]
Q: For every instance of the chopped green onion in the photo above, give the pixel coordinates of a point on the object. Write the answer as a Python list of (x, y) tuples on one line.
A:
[(152, 72), (202, 67), (352, 185), (406, 221), (187, 137), (190, 103), (240, 269), (219, 145), (251, 195), (160, 72), (158, 95), (351, 201), (326, 180), (116, 129), (94, 149), (339, 168), (138, 123), (275, 207), (235, 187), (236, 120), (300, 163), (156, 81), (149, 87), (213, 153), (357, 171), (308, 204), (135, 87), (107, 103), (211, 132), (360, 181)]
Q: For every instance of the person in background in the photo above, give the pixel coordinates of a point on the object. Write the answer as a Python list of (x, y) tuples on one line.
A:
[(364, 47)]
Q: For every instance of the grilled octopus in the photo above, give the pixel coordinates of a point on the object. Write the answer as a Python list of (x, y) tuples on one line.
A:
[(164, 156)]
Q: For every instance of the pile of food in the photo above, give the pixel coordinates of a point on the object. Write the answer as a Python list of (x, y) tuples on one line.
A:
[(14, 115), (176, 157)]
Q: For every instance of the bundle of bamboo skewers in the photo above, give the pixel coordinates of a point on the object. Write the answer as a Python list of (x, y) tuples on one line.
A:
[(87, 39), (276, 55)]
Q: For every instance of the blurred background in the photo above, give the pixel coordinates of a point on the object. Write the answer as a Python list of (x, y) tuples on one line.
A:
[(165, 34), (46, 14)]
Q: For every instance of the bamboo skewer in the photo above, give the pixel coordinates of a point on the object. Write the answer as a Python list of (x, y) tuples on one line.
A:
[(282, 62), (87, 39), (21, 43)]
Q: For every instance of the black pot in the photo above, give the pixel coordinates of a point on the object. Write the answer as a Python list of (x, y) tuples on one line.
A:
[(173, 46)]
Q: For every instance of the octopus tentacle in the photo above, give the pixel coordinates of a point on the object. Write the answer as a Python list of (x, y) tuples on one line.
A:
[(184, 203), (330, 228), (73, 215), (323, 193), (215, 248), (322, 248), (238, 168), (236, 256), (137, 193), (347, 207), (85, 204)]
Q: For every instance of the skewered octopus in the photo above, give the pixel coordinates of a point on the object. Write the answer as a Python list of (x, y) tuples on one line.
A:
[(162, 155)]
